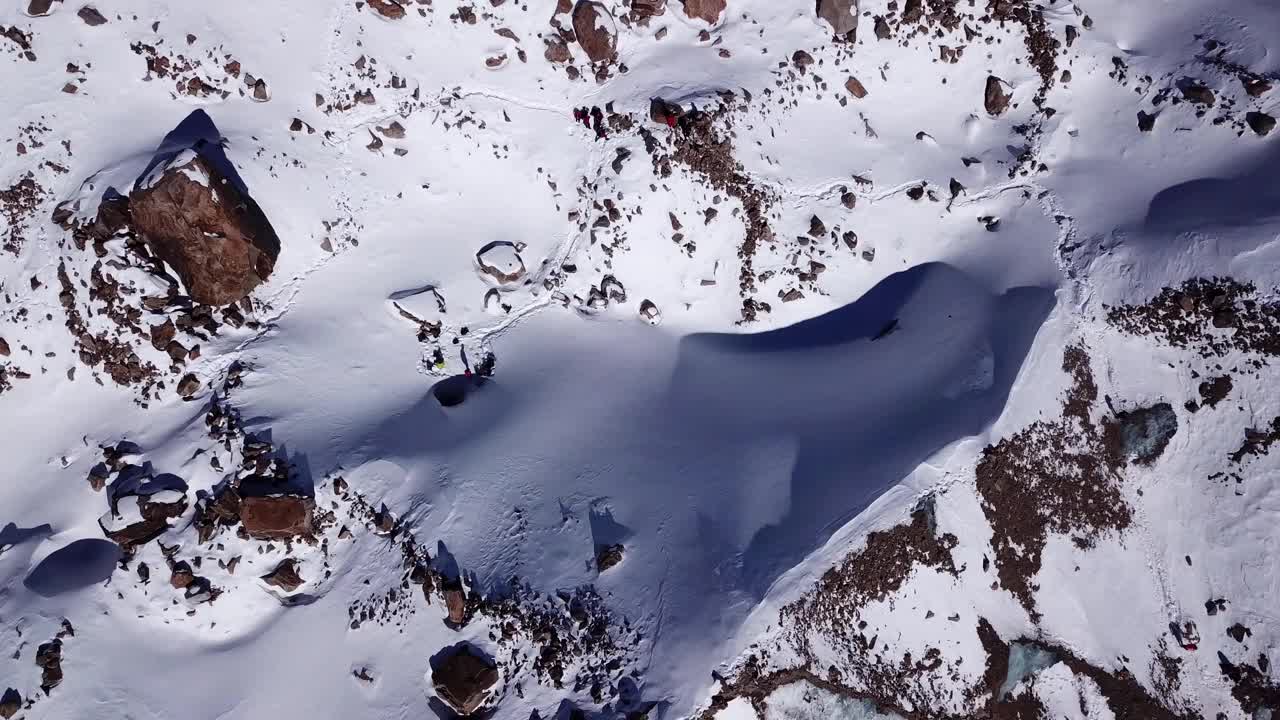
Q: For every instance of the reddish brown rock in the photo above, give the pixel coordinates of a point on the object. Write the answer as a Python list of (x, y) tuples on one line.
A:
[(855, 88), (277, 517), (4, 348), (994, 97), (455, 600), (387, 8), (49, 659), (138, 519), (841, 15), (181, 575), (642, 10), (463, 680), (708, 10), (200, 224), (557, 51), (285, 576), (594, 27)]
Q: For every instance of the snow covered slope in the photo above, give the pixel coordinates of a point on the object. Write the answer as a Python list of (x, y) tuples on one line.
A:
[(736, 359)]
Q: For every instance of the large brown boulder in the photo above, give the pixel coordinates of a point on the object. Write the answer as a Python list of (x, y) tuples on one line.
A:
[(595, 30), (213, 235), (138, 519), (277, 517), (285, 576), (463, 680), (708, 10), (841, 15), (994, 97)]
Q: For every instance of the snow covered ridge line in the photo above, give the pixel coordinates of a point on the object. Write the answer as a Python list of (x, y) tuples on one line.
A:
[(1079, 483)]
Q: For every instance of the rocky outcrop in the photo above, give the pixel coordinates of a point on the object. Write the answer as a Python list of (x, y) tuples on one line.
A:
[(138, 519), (285, 576), (38, 8), (277, 517), (841, 15), (994, 97), (213, 235), (595, 30), (608, 556), (501, 261), (463, 679), (708, 10), (455, 601), (387, 8), (49, 659), (1260, 122), (642, 10)]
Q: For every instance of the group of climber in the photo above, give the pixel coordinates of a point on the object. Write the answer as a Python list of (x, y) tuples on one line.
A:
[(592, 118), (660, 111)]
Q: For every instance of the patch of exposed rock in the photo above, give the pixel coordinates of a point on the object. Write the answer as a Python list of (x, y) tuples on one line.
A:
[(841, 15), (463, 679), (595, 30), (995, 99), (285, 576), (706, 10), (501, 261), (10, 703), (212, 233), (277, 517), (137, 519)]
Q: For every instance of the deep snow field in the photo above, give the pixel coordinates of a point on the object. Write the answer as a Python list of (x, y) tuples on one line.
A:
[(919, 370)]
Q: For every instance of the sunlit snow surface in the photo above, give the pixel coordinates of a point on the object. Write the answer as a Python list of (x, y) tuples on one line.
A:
[(735, 462)]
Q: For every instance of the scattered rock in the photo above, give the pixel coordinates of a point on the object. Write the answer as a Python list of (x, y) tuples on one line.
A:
[(90, 15), (707, 10), (1146, 121), (285, 576), (277, 517), (4, 348), (995, 98), (1260, 122), (841, 15), (463, 679), (211, 233), (855, 87), (595, 30)]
